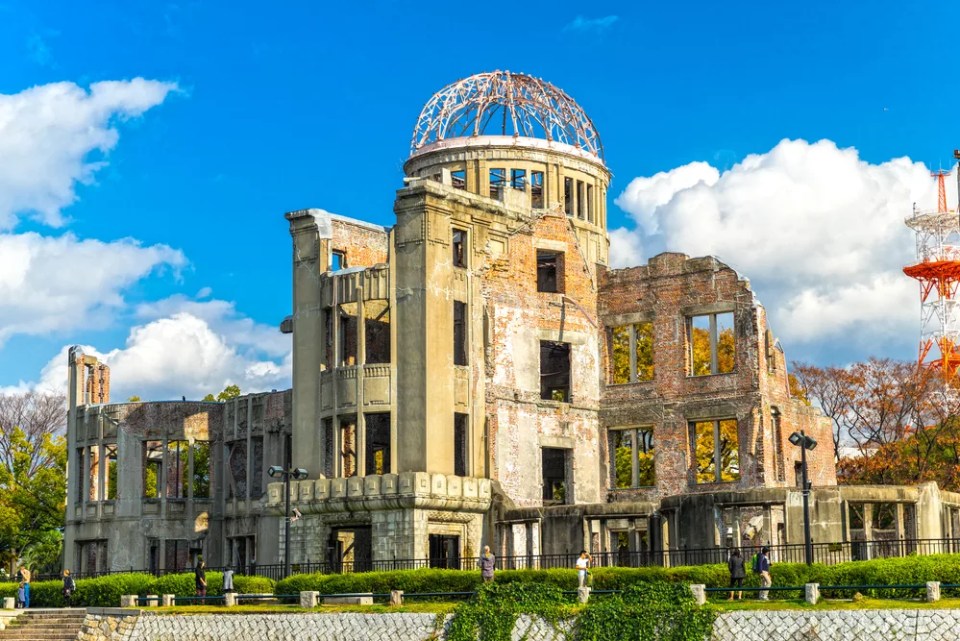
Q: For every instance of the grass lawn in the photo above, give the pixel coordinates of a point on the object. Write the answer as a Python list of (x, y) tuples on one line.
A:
[(865, 603)]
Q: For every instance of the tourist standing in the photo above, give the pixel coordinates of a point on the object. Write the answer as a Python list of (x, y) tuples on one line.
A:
[(69, 587), (737, 573), (763, 564), (487, 564), (583, 568), (25, 573), (200, 578)]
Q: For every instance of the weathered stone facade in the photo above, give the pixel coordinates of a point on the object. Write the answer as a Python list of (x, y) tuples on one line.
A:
[(477, 374)]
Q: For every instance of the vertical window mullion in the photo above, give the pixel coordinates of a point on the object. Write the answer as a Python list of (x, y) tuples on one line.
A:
[(714, 364), (633, 353), (635, 468), (718, 475)]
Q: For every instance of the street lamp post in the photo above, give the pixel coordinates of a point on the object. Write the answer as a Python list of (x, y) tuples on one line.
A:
[(805, 443), (296, 474)]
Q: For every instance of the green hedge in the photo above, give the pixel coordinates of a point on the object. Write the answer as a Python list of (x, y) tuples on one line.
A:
[(105, 591), (913, 570)]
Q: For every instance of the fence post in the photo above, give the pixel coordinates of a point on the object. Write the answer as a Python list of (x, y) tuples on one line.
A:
[(230, 599), (308, 599), (167, 600), (152, 600), (583, 594), (9, 603), (128, 600), (396, 597), (699, 591), (933, 591), (811, 592)]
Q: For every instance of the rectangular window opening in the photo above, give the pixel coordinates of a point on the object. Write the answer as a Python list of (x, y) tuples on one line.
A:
[(376, 331), (348, 335), (711, 344), (458, 178), (328, 337), (200, 451), (460, 353), (378, 443), (329, 447), (632, 451), (568, 196), (536, 189), (716, 451), (459, 248), (348, 446), (178, 457), (581, 200), (498, 179), (590, 203), (152, 469), (460, 422), (631, 353), (555, 487), (518, 179), (549, 271), (555, 371), (338, 260)]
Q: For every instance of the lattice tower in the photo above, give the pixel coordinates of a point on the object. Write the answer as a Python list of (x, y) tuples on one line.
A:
[(938, 272)]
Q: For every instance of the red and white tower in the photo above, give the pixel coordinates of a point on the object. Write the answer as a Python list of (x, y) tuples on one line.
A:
[(938, 271)]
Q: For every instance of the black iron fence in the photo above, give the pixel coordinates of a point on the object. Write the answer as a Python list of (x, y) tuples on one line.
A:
[(827, 553)]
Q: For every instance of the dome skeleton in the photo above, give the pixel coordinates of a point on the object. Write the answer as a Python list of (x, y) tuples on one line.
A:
[(527, 106)]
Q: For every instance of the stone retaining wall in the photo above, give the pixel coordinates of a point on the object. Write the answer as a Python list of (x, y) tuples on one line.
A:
[(837, 625)]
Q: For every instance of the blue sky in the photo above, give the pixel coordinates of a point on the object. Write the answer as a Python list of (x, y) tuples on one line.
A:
[(272, 107)]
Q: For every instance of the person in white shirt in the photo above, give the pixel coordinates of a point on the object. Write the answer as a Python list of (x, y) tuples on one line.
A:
[(583, 568)]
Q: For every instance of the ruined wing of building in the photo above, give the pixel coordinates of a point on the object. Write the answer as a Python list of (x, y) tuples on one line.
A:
[(476, 374)]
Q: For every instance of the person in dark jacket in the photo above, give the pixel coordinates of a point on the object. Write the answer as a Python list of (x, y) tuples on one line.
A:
[(200, 579), (69, 587), (738, 572)]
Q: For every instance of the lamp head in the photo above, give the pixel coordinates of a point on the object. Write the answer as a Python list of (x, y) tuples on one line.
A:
[(275, 471), (796, 438), (299, 473), (809, 442)]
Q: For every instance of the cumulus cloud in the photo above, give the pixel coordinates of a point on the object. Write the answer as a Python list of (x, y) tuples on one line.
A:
[(818, 230), (56, 135), (56, 284)]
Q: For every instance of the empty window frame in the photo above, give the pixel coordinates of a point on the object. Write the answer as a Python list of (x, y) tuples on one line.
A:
[(549, 271), (632, 463), (460, 423), (590, 203), (554, 466), (329, 448), (711, 344), (178, 457), (338, 260), (78, 474), (257, 468), (459, 244), (716, 450), (328, 337), (377, 455), (152, 469), (376, 331), (348, 335), (568, 196), (581, 200), (555, 371), (348, 446), (110, 477), (93, 474), (460, 354), (518, 179), (631, 353), (498, 179), (536, 189), (458, 178), (200, 476)]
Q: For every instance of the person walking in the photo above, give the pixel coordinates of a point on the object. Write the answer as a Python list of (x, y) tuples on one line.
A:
[(69, 587), (763, 565), (25, 573), (738, 572), (200, 578), (487, 563), (583, 568)]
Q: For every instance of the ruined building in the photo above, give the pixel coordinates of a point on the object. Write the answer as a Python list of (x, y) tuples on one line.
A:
[(477, 374)]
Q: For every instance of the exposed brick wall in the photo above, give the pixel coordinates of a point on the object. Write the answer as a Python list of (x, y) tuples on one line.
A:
[(364, 245)]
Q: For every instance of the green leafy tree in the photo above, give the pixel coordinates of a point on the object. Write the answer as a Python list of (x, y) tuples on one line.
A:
[(229, 392)]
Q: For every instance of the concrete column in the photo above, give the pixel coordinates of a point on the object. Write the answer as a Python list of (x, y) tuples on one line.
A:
[(128, 600), (167, 600), (699, 591), (309, 599), (811, 593), (583, 594), (153, 600), (230, 599), (933, 591), (9, 603), (396, 597)]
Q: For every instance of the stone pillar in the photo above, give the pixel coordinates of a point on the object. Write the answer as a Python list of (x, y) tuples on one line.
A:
[(699, 591), (933, 591), (811, 592), (9, 603), (583, 594), (230, 599), (128, 600), (168, 600), (308, 599), (153, 600), (396, 597)]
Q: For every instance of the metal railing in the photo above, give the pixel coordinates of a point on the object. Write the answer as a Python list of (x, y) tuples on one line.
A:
[(826, 553)]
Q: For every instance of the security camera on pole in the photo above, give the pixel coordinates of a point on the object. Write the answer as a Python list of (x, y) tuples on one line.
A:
[(296, 474), (805, 443)]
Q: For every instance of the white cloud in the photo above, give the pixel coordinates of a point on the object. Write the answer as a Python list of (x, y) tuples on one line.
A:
[(591, 24), (818, 231), (48, 134), (55, 284)]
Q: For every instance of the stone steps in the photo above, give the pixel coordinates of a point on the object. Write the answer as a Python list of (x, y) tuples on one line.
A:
[(44, 625)]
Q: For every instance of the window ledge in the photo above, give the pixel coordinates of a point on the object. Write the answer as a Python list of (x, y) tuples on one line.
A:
[(689, 376), (648, 381)]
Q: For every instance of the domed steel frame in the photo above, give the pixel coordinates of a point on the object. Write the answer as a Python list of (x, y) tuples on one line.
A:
[(504, 103)]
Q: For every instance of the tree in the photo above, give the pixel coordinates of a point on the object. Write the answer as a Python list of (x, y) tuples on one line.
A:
[(229, 392)]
